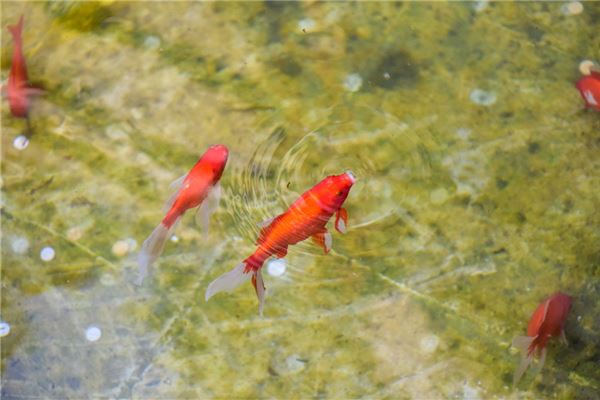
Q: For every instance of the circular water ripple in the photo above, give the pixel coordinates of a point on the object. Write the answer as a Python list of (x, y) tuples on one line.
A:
[(288, 163)]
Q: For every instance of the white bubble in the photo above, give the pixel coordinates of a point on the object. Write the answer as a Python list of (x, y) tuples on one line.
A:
[(93, 333), (463, 133), (47, 254), (470, 393), (137, 113), (276, 267), (151, 42), (74, 233), (107, 280), (294, 363), (4, 328), (132, 243), (21, 142), (174, 239), (571, 8), (120, 248), (306, 24), (353, 82), (19, 245), (429, 343), (482, 97), (480, 5), (115, 132)]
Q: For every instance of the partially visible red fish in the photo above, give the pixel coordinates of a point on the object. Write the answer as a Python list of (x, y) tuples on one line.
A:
[(547, 321), (200, 187), (305, 218), (19, 90), (589, 88)]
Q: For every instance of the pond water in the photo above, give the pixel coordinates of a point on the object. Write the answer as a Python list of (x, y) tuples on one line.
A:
[(476, 197)]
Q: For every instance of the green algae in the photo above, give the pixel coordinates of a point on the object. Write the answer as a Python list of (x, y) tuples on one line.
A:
[(463, 219)]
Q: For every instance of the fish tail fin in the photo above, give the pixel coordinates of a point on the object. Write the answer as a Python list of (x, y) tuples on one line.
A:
[(229, 280), (524, 344), (16, 30), (152, 248)]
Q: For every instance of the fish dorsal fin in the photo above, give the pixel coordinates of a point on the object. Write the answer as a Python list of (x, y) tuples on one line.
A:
[(266, 227), (537, 319), (323, 240), (546, 306), (176, 185)]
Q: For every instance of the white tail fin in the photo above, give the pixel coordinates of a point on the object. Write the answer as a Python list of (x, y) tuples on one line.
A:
[(542, 359), (228, 281), (151, 249), (522, 343)]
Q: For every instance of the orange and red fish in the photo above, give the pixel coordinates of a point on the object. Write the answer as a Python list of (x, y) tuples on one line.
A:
[(589, 88), (199, 187), (547, 321), (19, 90), (305, 218)]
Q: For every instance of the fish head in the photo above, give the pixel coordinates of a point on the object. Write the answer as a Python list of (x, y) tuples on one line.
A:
[(216, 157), (335, 189)]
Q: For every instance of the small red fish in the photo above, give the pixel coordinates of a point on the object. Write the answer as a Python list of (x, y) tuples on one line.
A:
[(305, 218), (199, 187), (19, 90), (589, 88), (548, 320)]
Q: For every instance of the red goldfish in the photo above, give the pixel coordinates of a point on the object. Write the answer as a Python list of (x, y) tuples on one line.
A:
[(19, 89), (589, 88), (199, 187), (305, 218), (547, 320)]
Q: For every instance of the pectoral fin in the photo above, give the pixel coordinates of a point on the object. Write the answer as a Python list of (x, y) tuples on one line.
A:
[(266, 222), (175, 185), (208, 207), (563, 337), (34, 91), (323, 240), (282, 252), (341, 220)]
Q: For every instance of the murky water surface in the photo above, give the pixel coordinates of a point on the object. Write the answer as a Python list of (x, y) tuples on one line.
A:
[(477, 197)]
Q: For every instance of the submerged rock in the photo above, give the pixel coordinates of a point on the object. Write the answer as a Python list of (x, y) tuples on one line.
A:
[(396, 68)]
